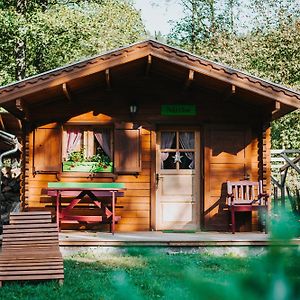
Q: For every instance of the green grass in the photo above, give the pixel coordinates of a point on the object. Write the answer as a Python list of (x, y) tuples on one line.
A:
[(145, 274)]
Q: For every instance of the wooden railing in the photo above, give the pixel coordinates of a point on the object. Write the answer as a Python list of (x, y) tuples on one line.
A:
[(285, 166)]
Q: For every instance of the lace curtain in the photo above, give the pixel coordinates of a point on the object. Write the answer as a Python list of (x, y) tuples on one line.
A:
[(166, 143), (103, 139), (73, 139), (187, 141)]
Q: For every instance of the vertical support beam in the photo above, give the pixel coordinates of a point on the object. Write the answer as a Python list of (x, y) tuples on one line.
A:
[(24, 168), (266, 157), (206, 175), (153, 180)]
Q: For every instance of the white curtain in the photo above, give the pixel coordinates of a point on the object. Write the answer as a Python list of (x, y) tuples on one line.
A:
[(187, 141), (73, 138), (166, 143), (103, 139)]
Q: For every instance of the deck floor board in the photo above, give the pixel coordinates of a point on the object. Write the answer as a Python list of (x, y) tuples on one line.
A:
[(158, 238)]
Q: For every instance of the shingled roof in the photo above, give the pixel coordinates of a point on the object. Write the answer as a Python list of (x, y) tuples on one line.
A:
[(200, 65)]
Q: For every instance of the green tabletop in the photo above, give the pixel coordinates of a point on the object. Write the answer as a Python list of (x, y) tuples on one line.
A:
[(86, 185)]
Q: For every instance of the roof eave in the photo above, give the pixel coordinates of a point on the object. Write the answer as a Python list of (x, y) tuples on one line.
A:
[(110, 59)]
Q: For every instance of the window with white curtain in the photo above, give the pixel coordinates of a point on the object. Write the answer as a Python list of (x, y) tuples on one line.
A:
[(87, 145), (177, 150)]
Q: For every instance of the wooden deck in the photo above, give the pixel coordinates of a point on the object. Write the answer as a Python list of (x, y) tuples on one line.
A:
[(157, 238), (74, 238)]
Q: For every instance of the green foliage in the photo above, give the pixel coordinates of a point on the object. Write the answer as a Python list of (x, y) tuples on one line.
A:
[(76, 156), (286, 132), (100, 158), (62, 32), (265, 43), (204, 20)]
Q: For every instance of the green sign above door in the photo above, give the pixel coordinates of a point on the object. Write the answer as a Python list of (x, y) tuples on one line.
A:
[(178, 110)]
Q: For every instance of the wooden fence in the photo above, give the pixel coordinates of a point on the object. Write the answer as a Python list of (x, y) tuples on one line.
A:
[(285, 166)]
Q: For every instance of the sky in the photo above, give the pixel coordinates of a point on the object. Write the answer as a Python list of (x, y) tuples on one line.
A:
[(156, 17)]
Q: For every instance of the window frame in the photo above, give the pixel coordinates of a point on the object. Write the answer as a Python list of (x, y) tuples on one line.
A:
[(177, 147), (88, 128)]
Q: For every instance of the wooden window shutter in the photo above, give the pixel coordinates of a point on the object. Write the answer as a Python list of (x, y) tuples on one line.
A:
[(47, 150), (127, 157)]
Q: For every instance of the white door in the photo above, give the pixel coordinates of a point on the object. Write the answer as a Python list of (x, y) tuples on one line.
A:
[(177, 180)]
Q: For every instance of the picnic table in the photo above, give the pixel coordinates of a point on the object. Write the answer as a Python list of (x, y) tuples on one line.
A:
[(95, 192)]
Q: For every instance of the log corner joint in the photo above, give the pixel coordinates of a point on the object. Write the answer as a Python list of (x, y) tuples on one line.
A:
[(108, 80), (23, 108), (66, 92), (277, 107), (148, 67), (189, 80)]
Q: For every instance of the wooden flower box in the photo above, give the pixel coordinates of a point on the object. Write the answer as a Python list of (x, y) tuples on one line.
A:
[(86, 167)]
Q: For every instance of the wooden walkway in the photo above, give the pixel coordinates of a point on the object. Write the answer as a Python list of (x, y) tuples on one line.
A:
[(157, 238)]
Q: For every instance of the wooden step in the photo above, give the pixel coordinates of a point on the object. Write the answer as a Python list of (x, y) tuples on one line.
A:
[(30, 249)]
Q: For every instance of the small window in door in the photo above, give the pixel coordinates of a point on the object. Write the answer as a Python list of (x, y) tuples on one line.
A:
[(177, 150)]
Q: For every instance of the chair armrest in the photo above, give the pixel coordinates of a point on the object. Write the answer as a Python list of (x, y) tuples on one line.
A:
[(229, 199), (264, 196)]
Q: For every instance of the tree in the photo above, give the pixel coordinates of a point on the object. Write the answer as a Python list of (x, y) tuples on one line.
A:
[(265, 44), (204, 21), (55, 33)]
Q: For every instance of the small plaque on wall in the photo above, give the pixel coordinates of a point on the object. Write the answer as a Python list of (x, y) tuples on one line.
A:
[(178, 110)]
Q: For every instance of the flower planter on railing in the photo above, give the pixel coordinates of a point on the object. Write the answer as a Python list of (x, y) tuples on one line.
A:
[(86, 167)]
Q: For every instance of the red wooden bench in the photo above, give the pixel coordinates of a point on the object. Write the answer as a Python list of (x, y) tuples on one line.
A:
[(245, 196), (30, 248)]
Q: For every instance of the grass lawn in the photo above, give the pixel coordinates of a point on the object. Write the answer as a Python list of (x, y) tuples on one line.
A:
[(144, 274)]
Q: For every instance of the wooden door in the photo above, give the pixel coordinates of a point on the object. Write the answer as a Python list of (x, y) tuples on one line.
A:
[(231, 154), (177, 180)]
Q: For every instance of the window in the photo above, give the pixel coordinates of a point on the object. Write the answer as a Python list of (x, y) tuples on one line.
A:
[(87, 149), (177, 150)]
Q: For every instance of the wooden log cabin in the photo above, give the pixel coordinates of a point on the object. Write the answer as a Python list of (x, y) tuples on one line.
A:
[(172, 126)]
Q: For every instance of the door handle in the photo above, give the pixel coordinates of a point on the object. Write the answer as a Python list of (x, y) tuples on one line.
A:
[(157, 178)]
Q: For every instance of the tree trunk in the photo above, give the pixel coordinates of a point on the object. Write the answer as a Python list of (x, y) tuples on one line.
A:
[(20, 47), (194, 16)]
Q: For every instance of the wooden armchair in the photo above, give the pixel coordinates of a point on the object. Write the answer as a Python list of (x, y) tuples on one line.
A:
[(246, 196)]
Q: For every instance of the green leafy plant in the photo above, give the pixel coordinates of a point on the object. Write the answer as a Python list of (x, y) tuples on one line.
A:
[(101, 158), (101, 161), (98, 162), (76, 156)]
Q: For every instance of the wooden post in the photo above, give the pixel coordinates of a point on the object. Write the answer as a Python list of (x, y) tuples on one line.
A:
[(57, 209), (275, 198), (113, 200), (282, 190)]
